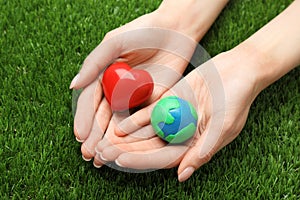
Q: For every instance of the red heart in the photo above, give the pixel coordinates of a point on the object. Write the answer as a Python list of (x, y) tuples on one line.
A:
[(126, 88)]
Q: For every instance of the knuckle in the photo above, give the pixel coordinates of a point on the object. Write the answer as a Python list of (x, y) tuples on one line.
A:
[(206, 157)]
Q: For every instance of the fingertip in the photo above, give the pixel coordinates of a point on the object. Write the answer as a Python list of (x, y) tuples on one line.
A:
[(102, 157), (86, 159), (98, 162), (118, 163), (132, 123), (193, 160), (189, 164), (79, 140), (97, 166), (77, 136), (87, 154), (119, 132), (186, 174), (74, 82)]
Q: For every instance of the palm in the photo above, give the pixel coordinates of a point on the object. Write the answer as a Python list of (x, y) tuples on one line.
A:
[(156, 53), (222, 106), (165, 68)]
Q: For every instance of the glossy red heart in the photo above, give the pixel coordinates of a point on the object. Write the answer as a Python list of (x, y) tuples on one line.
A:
[(125, 87)]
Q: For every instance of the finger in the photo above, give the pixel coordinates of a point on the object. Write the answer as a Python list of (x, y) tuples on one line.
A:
[(134, 122), (106, 141), (201, 152), (166, 157), (103, 55), (128, 142), (142, 117), (144, 133), (114, 44), (87, 105), (138, 119), (98, 162), (112, 152), (100, 124), (121, 41), (164, 76), (111, 139), (108, 137)]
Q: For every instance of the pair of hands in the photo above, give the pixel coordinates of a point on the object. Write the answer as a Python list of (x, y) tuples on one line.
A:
[(220, 89)]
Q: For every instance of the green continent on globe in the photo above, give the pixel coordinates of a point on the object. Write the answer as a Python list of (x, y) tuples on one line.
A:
[(161, 113), (183, 135), (174, 119)]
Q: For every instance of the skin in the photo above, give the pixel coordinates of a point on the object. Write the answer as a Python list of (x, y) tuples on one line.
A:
[(236, 77), (92, 121), (244, 71)]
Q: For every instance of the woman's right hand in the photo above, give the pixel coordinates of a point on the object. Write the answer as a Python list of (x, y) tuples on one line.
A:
[(161, 42)]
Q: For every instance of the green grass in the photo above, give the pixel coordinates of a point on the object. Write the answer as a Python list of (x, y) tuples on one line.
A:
[(43, 44)]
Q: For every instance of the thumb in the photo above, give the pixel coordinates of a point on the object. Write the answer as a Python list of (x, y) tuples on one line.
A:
[(126, 39), (202, 151), (103, 55)]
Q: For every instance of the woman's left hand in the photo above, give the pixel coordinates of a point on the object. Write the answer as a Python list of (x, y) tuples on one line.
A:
[(222, 92)]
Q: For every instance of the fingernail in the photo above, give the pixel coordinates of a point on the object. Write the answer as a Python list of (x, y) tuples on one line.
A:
[(79, 140), (97, 166), (101, 156), (183, 176), (77, 135), (74, 81), (117, 163), (86, 159)]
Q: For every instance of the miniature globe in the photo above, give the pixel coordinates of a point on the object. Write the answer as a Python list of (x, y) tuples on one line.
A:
[(174, 119)]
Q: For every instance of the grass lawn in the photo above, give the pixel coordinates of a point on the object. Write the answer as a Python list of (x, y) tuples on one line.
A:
[(43, 44)]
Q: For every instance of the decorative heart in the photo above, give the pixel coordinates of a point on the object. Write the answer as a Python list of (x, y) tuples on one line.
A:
[(126, 88)]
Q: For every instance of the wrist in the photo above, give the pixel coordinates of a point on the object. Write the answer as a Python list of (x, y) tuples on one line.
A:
[(256, 64), (190, 17), (274, 49), (243, 65)]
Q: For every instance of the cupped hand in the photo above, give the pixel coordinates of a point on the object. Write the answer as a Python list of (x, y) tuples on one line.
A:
[(222, 90), (149, 43)]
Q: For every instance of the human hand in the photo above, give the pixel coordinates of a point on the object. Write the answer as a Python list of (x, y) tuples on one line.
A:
[(149, 43), (239, 74), (222, 91)]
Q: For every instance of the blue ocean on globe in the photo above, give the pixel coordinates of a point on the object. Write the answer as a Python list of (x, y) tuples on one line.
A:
[(179, 122)]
